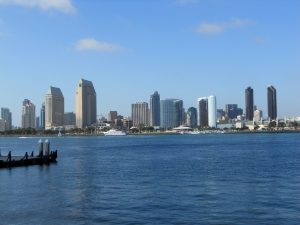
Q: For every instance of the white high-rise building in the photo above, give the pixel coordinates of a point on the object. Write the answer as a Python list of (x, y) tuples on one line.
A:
[(54, 108), (86, 104), (258, 114), (212, 111), (28, 114)]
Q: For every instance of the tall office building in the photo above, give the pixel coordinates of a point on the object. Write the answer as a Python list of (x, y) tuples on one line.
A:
[(207, 111), (86, 104), (203, 112), (69, 119), (28, 114), (272, 103), (54, 108), (42, 117), (212, 111), (191, 118), (155, 109), (140, 114), (6, 115), (171, 113), (249, 103), (112, 116)]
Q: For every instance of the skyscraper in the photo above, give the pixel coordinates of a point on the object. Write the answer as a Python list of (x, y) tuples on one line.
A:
[(249, 103), (28, 114), (6, 115), (155, 109), (203, 112), (191, 119), (140, 114), (86, 104), (42, 117), (54, 108), (207, 111), (232, 111), (212, 111), (272, 103), (171, 113)]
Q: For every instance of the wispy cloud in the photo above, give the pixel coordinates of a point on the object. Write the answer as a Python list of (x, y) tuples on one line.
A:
[(186, 2), (91, 44), (65, 6), (215, 28)]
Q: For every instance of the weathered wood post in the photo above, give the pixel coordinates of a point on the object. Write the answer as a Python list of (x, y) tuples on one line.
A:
[(47, 150), (41, 153)]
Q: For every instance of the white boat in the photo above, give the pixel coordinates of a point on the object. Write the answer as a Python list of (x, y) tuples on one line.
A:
[(113, 132)]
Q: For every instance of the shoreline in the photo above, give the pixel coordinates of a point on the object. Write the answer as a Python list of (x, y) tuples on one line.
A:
[(205, 132)]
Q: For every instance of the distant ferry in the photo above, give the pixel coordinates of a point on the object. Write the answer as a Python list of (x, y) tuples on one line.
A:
[(113, 132)]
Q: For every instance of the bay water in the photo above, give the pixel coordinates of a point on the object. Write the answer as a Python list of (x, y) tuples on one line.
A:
[(160, 179)]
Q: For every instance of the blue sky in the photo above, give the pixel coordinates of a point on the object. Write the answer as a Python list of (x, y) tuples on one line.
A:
[(182, 48)]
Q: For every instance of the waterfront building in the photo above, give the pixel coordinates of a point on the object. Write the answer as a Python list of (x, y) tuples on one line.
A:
[(140, 114), (42, 117), (203, 112), (191, 119), (249, 103), (220, 114), (171, 113), (112, 116), (272, 103), (6, 115), (212, 111), (257, 115), (207, 111), (28, 114), (54, 108), (86, 104), (232, 111), (70, 119), (2, 125), (155, 109), (37, 123)]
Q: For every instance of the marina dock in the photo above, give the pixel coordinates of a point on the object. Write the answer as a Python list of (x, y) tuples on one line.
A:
[(43, 158)]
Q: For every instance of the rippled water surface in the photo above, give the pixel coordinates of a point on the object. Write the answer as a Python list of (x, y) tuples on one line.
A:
[(196, 179)]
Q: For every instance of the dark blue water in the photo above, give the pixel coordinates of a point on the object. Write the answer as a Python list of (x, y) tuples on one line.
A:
[(197, 179)]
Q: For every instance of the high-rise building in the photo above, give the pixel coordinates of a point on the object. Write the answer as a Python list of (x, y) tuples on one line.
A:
[(257, 115), (140, 114), (6, 115), (42, 117), (37, 123), (28, 114), (86, 104), (232, 111), (272, 103), (2, 125), (249, 103), (54, 108), (171, 113), (212, 111), (203, 112), (69, 119), (207, 111), (112, 116), (155, 109), (191, 119)]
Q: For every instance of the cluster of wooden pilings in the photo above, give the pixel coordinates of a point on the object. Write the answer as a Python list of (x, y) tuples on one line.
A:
[(43, 158)]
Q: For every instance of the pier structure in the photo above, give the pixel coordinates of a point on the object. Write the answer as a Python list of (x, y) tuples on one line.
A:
[(43, 158)]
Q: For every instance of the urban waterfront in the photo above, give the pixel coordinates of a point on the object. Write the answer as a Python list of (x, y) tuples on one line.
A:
[(181, 179)]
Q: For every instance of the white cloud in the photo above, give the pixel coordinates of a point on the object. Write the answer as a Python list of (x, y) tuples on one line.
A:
[(65, 6), (214, 28), (185, 2), (91, 44)]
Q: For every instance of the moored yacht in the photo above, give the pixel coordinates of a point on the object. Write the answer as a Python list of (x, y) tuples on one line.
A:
[(114, 132)]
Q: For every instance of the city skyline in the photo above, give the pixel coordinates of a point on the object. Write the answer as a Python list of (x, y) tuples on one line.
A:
[(199, 49)]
